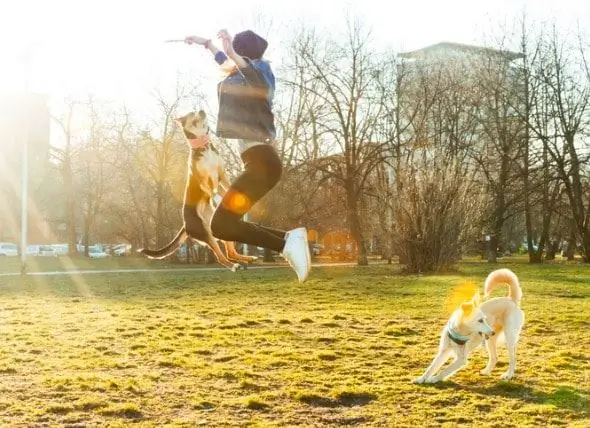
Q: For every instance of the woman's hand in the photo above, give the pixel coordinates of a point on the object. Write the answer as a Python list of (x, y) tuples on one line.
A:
[(189, 40), (227, 43)]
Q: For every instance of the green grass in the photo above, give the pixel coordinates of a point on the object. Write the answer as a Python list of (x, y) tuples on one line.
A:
[(256, 348), (44, 264), (10, 265)]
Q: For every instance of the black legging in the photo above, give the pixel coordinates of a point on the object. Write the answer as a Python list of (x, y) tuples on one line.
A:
[(262, 171)]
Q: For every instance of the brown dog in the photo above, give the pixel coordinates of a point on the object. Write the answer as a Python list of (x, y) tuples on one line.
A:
[(206, 177)]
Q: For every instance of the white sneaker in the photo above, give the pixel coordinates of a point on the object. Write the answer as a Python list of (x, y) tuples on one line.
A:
[(296, 252)]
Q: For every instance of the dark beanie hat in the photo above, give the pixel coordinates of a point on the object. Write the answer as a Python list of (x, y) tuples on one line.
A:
[(249, 44)]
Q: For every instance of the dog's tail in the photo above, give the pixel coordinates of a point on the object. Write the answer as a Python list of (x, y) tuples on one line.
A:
[(167, 249), (504, 276)]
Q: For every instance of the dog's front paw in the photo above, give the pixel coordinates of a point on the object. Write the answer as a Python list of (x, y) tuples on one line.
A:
[(419, 380), (236, 267), (485, 372), (507, 376), (433, 379)]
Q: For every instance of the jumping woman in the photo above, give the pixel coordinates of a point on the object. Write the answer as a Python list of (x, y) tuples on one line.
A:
[(245, 114)]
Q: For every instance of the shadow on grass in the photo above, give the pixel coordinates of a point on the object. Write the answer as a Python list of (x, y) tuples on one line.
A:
[(343, 399), (564, 397)]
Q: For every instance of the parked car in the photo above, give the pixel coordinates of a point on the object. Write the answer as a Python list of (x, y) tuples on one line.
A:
[(61, 249), (95, 252), (41, 251), (8, 249), (316, 249), (32, 250), (121, 250)]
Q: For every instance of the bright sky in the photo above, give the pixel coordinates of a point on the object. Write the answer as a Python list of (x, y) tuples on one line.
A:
[(114, 47)]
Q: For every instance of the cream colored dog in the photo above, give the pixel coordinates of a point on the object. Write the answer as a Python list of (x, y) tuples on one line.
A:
[(473, 323)]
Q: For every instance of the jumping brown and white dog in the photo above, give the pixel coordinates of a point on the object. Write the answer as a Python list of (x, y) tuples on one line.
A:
[(206, 180), (472, 323)]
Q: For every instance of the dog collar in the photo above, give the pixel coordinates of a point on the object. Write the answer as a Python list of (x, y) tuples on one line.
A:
[(454, 335), (199, 142)]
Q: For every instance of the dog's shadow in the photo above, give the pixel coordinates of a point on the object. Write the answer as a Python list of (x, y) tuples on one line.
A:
[(564, 397)]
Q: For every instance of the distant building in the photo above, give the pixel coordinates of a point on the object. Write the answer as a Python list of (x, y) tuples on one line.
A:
[(22, 116), (435, 67), (446, 50)]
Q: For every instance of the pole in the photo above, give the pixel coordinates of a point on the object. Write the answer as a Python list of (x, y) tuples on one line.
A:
[(25, 170)]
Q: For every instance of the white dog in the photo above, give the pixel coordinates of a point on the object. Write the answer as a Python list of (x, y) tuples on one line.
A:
[(472, 323)]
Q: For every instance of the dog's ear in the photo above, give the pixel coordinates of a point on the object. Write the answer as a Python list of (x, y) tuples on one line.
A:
[(476, 299), (467, 308), (202, 114), (181, 120)]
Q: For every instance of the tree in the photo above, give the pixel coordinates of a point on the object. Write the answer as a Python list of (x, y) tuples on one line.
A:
[(533, 106), (341, 74), (93, 171), (501, 132), (63, 157), (159, 153), (436, 191), (565, 85)]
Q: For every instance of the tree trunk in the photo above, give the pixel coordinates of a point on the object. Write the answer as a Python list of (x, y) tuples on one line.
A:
[(500, 211), (570, 251), (586, 246), (354, 224), (534, 257), (70, 210), (494, 241), (576, 197), (86, 235), (268, 256), (493, 248), (160, 238), (189, 250)]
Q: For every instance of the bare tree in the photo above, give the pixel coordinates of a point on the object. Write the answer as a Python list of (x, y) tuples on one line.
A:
[(565, 84), (93, 171), (541, 188), (436, 190), (300, 143), (160, 155), (342, 73), (128, 209), (501, 133), (63, 157)]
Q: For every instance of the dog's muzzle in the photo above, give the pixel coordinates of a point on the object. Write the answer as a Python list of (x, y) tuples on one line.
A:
[(487, 336)]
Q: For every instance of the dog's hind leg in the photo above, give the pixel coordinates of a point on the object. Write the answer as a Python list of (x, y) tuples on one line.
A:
[(234, 255), (492, 348), (511, 345), (512, 334), (221, 258), (436, 364), (195, 227), (204, 210)]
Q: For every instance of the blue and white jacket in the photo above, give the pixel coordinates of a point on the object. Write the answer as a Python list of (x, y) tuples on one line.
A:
[(245, 102)]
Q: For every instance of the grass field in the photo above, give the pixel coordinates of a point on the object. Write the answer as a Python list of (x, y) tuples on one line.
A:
[(43, 264), (256, 348)]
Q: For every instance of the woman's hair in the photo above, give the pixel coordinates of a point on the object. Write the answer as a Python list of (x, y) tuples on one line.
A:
[(249, 44)]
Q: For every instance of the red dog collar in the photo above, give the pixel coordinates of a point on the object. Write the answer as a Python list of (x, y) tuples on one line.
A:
[(199, 142)]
